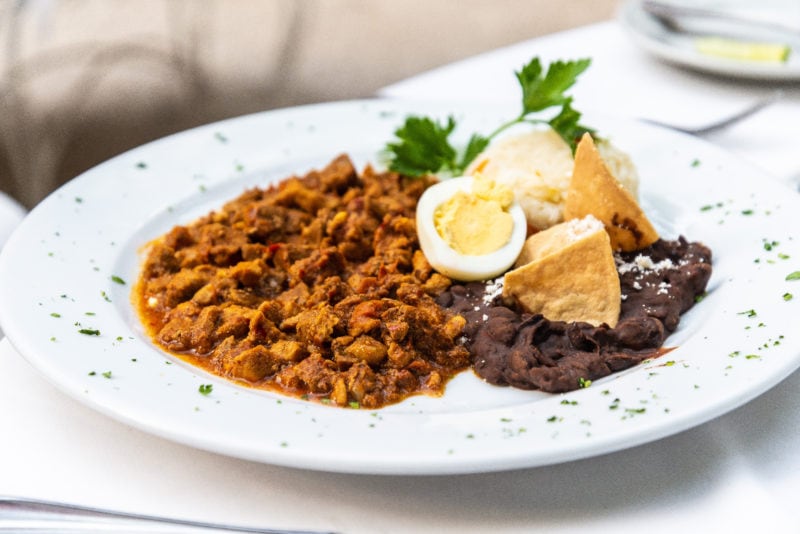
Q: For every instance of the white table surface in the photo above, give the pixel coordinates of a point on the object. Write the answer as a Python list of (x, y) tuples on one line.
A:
[(11, 213), (739, 472)]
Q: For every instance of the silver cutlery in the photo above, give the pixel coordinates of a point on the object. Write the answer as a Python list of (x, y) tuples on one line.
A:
[(686, 18), (22, 515), (724, 122)]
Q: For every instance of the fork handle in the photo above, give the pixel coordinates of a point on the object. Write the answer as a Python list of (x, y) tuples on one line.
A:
[(32, 515)]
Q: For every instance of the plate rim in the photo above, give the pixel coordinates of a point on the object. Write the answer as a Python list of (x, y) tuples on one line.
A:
[(631, 11)]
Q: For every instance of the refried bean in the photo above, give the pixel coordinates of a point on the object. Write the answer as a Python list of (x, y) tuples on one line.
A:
[(513, 348)]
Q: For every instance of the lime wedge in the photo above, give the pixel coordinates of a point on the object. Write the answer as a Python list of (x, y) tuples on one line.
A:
[(742, 50)]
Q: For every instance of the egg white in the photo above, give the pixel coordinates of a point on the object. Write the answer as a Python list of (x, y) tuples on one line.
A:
[(449, 262)]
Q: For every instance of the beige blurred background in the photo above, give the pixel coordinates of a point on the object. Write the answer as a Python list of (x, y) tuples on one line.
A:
[(83, 80)]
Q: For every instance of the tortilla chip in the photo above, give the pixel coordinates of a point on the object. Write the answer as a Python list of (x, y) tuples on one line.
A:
[(568, 273), (594, 190)]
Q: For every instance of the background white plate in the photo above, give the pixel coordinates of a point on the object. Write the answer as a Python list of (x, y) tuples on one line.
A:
[(56, 278), (679, 48)]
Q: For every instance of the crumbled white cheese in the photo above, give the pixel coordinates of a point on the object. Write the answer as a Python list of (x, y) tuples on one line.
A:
[(578, 228), (152, 302), (663, 288), (493, 289), (644, 263)]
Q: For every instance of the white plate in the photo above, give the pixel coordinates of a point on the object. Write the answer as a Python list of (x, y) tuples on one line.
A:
[(679, 48), (58, 266)]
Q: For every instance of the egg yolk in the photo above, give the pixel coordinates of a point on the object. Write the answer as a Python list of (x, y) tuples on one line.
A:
[(476, 223)]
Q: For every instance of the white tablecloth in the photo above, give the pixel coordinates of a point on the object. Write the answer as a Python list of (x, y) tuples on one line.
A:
[(11, 213), (739, 472)]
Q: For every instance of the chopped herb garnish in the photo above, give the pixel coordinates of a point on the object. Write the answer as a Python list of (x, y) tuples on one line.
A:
[(141, 165), (788, 296), (748, 313), (56, 315), (92, 373), (695, 162), (89, 331), (219, 136), (747, 212), (79, 200), (793, 276), (700, 297), (354, 404), (423, 145), (117, 279), (107, 374), (584, 383), (205, 389)]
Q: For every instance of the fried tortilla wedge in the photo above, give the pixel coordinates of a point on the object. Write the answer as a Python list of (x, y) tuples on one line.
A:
[(567, 273), (594, 190)]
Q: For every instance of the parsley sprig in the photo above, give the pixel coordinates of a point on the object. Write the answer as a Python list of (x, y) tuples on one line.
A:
[(423, 145)]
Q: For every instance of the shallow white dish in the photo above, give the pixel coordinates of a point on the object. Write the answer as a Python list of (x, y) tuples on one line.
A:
[(57, 276), (678, 48)]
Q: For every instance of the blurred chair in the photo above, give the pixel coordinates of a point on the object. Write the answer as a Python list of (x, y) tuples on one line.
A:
[(83, 80)]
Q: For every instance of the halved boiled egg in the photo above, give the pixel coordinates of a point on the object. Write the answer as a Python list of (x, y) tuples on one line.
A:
[(470, 228)]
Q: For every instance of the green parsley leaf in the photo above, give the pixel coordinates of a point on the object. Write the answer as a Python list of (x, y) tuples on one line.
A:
[(424, 147), (477, 143), (567, 126), (205, 389), (793, 276), (542, 92), (117, 279)]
